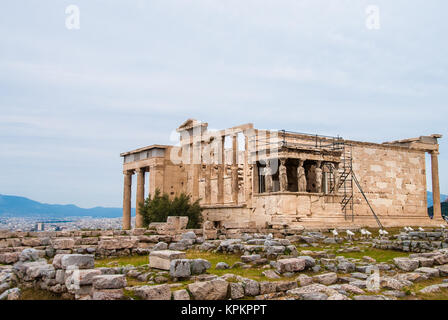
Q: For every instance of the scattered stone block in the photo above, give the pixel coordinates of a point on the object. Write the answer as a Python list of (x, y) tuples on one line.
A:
[(406, 264), (115, 281), (199, 266), (221, 266), (108, 294), (158, 292), (430, 272), (162, 259), (63, 243), (181, 295), (236, 290), (326, 278), (291, 265), (209, 290), (80, 261), (180, 268)]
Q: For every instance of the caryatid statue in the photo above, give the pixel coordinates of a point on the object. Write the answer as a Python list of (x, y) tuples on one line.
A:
[(336, 177), (283, 176), (268, 176), (301, 177), (318, 177)]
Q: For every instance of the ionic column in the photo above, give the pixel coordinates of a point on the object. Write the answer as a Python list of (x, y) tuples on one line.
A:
[(234, 169), (140, 197), (268, 177), (126, 223), (246, 170), (435, 184), (208, 173), (196, 164), (221, 166)]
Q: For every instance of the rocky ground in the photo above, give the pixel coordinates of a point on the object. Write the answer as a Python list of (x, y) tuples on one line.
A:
[(310, 266)]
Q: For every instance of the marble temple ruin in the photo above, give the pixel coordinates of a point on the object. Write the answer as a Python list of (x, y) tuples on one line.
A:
[(252, 178)]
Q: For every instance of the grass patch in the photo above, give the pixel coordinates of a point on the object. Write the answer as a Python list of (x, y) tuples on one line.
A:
[(37, 294), (122, 261), (442, 295), (378, 254), (254, 273)]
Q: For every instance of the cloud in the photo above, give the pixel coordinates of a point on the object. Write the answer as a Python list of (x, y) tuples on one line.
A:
[(71, 101)]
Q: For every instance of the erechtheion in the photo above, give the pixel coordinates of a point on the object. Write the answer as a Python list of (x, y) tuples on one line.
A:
[(252, 178)]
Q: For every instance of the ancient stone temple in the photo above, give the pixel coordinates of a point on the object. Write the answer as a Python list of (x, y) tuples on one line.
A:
[(253, 178)]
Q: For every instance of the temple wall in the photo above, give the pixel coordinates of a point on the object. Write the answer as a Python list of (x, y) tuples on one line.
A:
[(393, 179)]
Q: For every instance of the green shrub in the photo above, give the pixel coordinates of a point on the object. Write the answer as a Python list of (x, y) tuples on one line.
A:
[(158, 207)]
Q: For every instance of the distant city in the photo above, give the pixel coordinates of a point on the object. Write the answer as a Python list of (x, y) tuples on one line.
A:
[(68, 223)]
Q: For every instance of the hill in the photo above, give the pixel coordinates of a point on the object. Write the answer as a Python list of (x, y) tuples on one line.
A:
[(444, 210), (23, 207), (443, 197)]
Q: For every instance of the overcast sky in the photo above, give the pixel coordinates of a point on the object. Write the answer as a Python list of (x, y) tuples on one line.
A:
[(72, 100)]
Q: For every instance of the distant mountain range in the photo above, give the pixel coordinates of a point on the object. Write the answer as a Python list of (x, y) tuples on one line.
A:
[(444, 209), (24, 207), (443, 197)]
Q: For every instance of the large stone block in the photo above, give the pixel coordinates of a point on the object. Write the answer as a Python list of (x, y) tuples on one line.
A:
[(180, 268), (162, 259), (29, 254), (86, 276), (109, 244), (63, 243), (181, 295), (441, 259), (209, 290), (159, 292), (109, 281), (31, 242), (40, 271), (80, 261), (406, 264), (108, 294), (199, 266), (9, 257), (177, 222), (326, 278), (291, 265)]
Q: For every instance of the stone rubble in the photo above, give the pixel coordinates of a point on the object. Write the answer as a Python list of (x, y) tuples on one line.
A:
[(72, 273)]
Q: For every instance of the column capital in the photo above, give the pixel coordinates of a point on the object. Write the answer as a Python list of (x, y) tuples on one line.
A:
[(435, 152), (128, 172)]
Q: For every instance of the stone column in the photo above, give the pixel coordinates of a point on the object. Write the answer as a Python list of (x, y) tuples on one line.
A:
[(435, 184), (140, 197), (126, 223), (221, 167), (268, 177), (208, 174), (234, 169), (283, 176), (247, 176), (196, 163)]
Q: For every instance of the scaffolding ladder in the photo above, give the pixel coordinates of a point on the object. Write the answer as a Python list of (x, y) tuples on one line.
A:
[(346, 184)]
